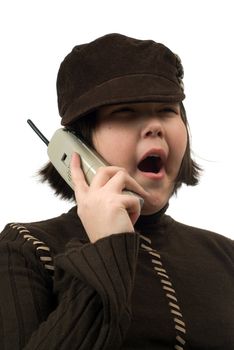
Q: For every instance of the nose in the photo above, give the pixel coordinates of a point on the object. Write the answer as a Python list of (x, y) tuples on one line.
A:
[(153, 128)]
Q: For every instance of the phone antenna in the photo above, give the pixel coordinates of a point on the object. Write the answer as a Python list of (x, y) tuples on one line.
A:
[(38, 132)]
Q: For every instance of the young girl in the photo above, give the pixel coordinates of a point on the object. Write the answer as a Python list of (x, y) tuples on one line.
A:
[(112, 273)]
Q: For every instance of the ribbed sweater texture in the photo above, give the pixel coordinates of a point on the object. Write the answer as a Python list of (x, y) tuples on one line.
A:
[(165, 286)]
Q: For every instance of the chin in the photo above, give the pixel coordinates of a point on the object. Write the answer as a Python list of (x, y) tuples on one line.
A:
[(157, 200), (152, 208)]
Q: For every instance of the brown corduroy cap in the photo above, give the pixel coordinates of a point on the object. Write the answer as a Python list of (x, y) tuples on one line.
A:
[(117, 69)]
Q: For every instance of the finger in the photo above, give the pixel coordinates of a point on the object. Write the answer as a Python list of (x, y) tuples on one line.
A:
[(77, 174), (103, 175), (122, 180), (132, 205)]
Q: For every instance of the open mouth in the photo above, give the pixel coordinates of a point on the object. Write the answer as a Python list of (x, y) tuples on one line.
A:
[(151, 164)]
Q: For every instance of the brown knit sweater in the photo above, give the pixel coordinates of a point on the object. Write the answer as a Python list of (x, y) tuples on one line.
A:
[(166, 286)]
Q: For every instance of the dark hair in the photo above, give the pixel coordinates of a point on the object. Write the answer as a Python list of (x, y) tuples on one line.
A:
[(189, 172)]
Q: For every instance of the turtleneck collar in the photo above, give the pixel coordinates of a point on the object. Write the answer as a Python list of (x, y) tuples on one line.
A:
[(153, 218)]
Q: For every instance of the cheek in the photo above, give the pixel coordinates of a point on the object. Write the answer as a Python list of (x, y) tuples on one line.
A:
[(179, 142), (100, 141), (109, 144)]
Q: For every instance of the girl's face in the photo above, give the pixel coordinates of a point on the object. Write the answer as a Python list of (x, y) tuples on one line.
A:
[(148, 140)]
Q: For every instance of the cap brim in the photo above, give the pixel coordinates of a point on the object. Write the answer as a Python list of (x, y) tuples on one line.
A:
[(129, 88)]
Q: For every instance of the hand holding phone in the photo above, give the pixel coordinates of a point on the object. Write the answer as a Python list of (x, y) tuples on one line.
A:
[(103, 207), (62, 146)]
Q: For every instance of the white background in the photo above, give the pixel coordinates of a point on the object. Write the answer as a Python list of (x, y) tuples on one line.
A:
[(35, 37)]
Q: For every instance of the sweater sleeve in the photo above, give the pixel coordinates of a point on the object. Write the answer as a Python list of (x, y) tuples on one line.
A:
[(89, 305)]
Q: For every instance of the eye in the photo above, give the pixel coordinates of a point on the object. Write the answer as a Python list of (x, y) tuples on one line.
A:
[(127, 113), (169, 111), (122, 111)]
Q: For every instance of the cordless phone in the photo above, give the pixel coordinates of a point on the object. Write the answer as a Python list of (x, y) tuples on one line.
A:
[(60, 149)]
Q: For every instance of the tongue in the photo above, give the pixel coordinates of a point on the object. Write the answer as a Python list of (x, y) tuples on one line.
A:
[(150, 165)]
